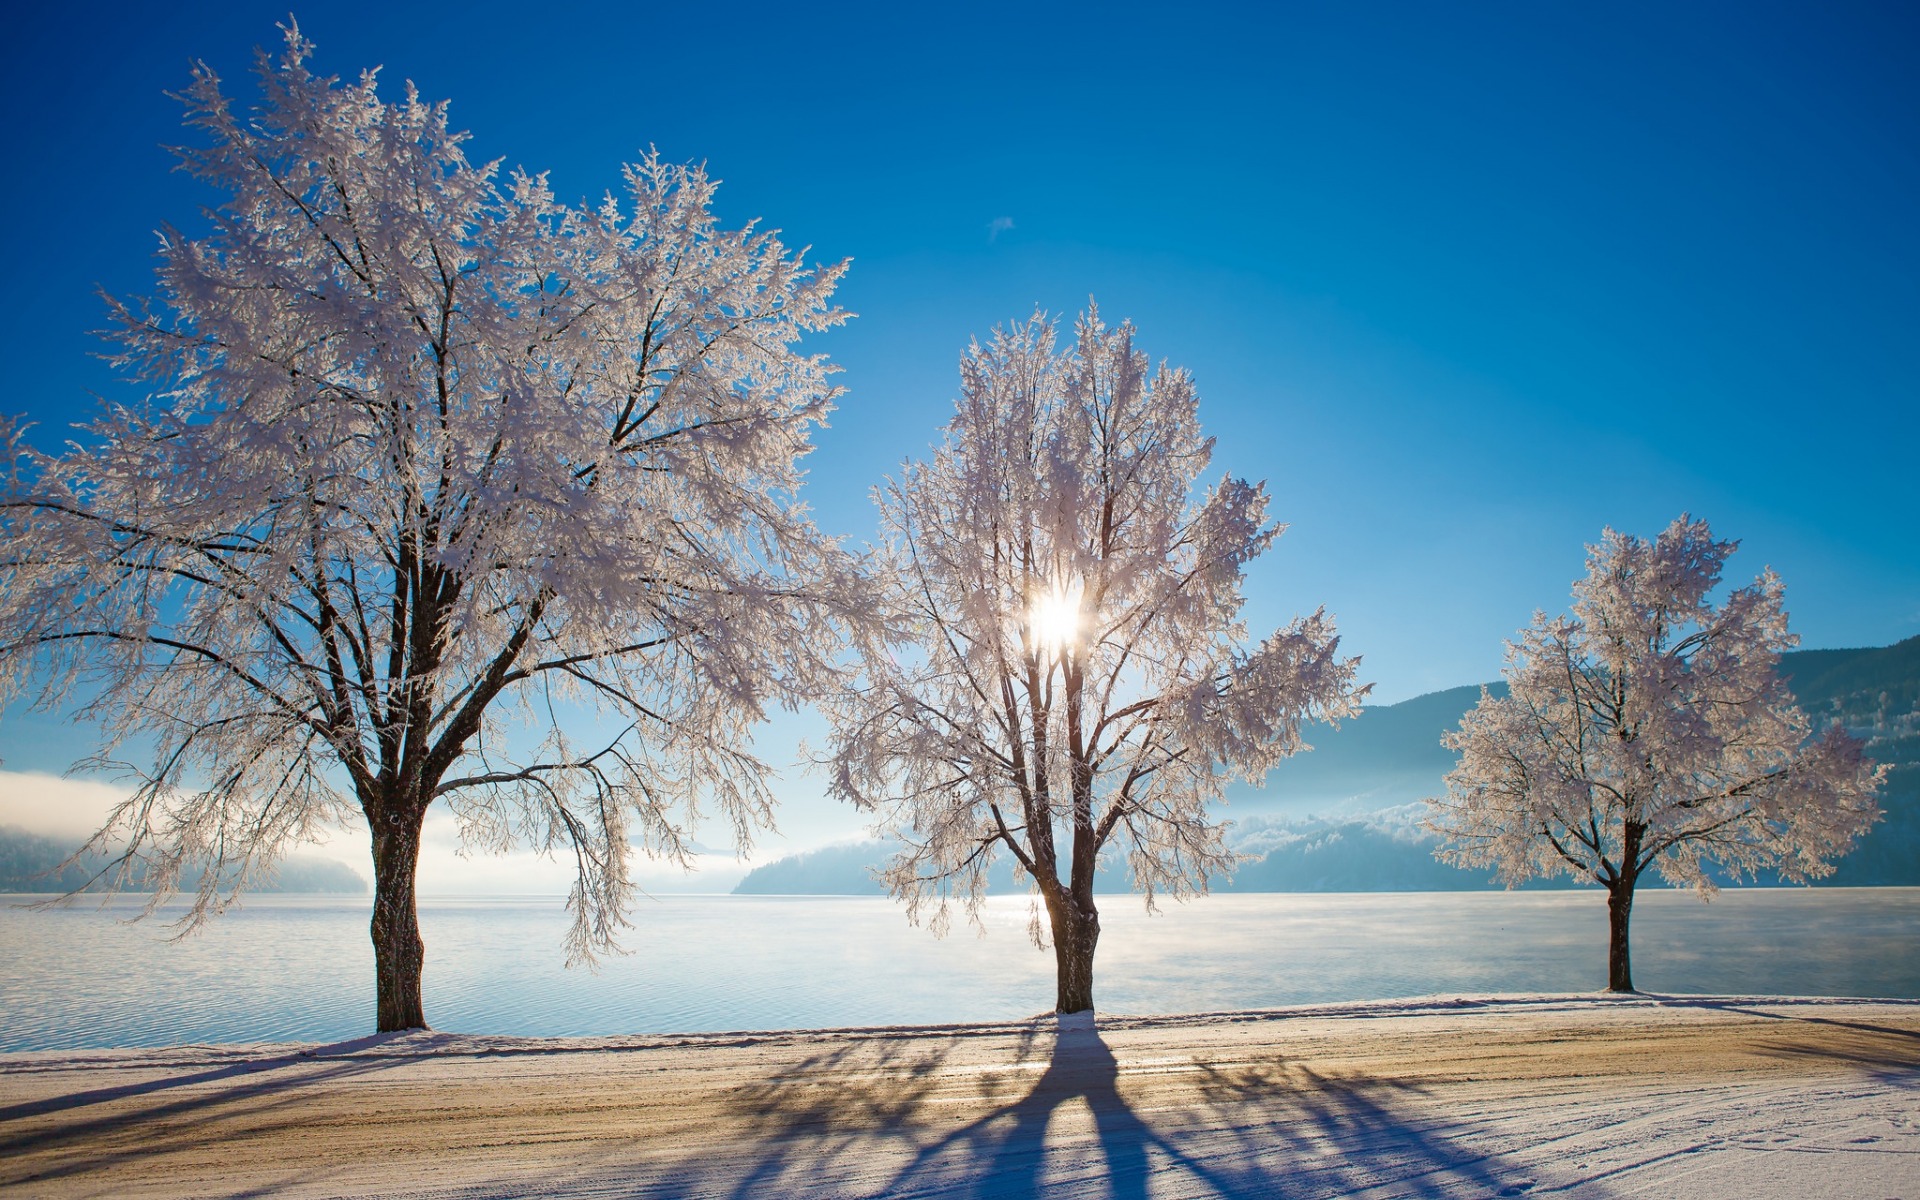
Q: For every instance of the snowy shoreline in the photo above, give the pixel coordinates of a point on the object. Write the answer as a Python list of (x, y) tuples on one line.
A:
[(1579, 1095)]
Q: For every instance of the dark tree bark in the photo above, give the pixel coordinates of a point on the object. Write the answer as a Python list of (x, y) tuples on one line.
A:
[(398, 953), (1620, 880), (1619, 913), (1076, 933)]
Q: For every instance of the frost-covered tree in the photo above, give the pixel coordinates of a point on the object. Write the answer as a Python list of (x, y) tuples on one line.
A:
[(436, 464), (1071, 678), (1651, 731)]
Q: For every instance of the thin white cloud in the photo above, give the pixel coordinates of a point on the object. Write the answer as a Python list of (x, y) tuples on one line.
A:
[(998, 226), (70, 809), (55, 806)]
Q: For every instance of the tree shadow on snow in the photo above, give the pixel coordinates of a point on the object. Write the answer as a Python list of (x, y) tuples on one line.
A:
[(1886, 1053), (1748, 1009), (129, 1127), (849, 1124)]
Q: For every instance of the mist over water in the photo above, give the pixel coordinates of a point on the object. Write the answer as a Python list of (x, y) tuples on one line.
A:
[(301, 968)]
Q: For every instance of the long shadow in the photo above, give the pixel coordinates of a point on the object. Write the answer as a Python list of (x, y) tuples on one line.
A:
[(1006, 1152), (1339, 1134), (1883, 1053), (270, 1083), (1735, 1006), (825, 1111), (1269, 1131), (910, 1118), (241, 1066)]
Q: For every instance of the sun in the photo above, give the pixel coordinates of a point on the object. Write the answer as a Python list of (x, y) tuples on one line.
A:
[(1054, 619)]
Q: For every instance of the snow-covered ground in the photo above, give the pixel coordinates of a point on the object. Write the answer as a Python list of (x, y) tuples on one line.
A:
[(1591, 1096)]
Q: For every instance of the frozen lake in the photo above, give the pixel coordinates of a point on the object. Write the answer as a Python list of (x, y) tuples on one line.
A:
[(301, 968)]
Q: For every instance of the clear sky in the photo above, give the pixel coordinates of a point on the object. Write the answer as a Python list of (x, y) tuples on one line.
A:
[(1463, 283)]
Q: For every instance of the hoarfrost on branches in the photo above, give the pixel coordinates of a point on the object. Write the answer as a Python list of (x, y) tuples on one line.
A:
[(1650, 730), (1070, 678), (431, 454)]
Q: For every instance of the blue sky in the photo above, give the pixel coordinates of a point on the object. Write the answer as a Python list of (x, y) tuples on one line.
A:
[(1463, 283)]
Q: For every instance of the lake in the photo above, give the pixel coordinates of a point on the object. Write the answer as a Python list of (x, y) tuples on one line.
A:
[(301, 968)]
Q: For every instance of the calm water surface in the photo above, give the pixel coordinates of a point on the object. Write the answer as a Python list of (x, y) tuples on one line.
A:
[(301, 967)]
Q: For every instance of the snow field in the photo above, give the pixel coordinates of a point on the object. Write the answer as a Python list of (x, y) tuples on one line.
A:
[(1577, 1096)]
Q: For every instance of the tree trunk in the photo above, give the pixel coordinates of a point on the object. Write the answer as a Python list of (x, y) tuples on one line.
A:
[(398, 952), (1619, 912), (1076, 931)]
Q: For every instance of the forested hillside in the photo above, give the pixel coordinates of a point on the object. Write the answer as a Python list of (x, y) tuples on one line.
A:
[(1876, 694)]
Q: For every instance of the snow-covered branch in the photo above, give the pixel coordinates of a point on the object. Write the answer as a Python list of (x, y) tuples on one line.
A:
[(1068, 667), (1651, 730), (429, 450)]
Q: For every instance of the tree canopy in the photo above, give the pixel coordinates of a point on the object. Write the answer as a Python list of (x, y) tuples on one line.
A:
[(1071, 677), (1650, 730), (430, 456)]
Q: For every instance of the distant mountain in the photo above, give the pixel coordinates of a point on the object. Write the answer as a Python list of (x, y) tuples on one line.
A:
[(852, 869), (1389, 756), (1345, 816), (1347, 813), (846, 870), (31, 863), (1876, 695)]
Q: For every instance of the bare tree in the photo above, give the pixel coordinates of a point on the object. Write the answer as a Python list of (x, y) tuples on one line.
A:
[(1650, 730), (432, 456), (1070, 677)]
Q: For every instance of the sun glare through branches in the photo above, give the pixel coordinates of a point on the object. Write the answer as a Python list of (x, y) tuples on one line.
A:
[(1054, 619)]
